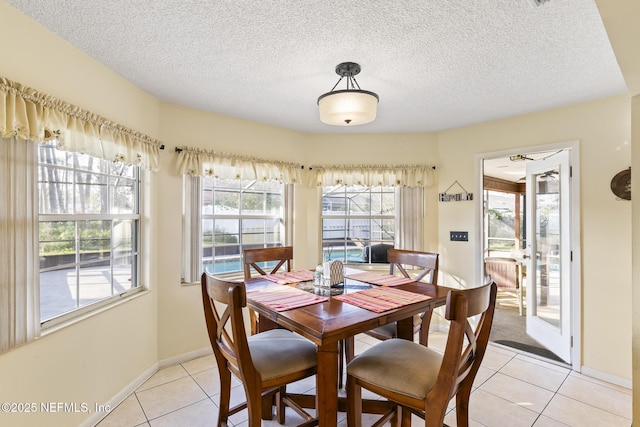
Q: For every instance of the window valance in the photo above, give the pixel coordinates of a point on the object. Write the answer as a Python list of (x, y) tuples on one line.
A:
[(200, 162), (29, 114), (373, 175)]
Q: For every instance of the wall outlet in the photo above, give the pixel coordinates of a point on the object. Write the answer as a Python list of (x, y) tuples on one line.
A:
[(459, 236)]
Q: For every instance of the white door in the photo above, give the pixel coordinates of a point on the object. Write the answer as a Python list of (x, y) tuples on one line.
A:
[(548, 252)]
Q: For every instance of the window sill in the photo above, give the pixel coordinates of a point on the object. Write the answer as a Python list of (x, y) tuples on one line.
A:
[(236, 276), (60, 324)]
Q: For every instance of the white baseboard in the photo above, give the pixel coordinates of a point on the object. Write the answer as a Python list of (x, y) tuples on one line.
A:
[(603, 376), (95, 418), (185, 357)]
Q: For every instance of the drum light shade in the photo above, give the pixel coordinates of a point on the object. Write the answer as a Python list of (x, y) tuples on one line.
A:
[(349, 107)]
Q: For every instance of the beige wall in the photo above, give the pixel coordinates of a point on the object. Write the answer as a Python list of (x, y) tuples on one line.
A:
[(94, 359), (603, 129), (620, 19), (635, 178)]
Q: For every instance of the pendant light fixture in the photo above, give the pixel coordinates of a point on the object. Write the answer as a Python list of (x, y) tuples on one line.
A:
[(351, 106)]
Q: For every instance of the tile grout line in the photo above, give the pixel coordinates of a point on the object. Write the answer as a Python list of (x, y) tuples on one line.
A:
[(141, 407), (592, 406), (189, 375), (201, 388)]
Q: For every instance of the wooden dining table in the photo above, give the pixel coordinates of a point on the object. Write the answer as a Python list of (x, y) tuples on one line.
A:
[(327, 323)]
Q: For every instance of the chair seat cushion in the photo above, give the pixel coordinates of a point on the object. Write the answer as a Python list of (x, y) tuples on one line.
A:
[(278, 352), (398, 365)]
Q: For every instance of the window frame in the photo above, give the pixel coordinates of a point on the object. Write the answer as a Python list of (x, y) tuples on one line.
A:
[(192, 253), (358, 216), (514, 209), (135, 253)]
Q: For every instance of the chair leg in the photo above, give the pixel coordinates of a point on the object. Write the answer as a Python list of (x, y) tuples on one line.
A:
[(424, 327), (280, 406), (253, 394), (354, 403), (462, 404), (253, 320), (404, 419), (520, 293), (225, 396), (346, 355), (254, 416), (267, 406), (349, 348), (341, 362), (396, 420)]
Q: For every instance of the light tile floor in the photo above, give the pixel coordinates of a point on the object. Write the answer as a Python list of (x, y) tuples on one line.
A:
[(511, 390)]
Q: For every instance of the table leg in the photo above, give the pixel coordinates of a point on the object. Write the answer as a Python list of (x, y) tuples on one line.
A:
[(405, 328), (327, 385)]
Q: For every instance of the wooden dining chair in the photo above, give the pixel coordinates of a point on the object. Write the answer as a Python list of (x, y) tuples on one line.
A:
[(255, 259), (421, 380), (265, 362), (424, 267)]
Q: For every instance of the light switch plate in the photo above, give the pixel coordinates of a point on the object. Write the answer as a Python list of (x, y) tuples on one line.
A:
[(459, 236)]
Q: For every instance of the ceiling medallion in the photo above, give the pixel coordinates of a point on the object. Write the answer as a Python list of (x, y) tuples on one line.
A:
[(351, 106)]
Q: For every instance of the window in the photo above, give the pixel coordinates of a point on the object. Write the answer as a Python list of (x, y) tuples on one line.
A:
[(232, 215), (358, 223), (88, 230), (504, 224)]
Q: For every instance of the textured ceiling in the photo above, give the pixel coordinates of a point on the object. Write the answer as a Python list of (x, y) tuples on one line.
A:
[(436, 65)]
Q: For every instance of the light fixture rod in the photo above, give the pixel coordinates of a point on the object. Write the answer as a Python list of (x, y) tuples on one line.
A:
[(336, 85), (356, 83)]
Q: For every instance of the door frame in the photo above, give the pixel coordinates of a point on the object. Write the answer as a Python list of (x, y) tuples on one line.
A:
[(575, 239)]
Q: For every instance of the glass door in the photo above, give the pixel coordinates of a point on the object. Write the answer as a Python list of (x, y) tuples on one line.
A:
[(548, 253)]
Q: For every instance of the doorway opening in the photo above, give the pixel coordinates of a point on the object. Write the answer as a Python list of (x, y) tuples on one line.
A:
[(524, 251)]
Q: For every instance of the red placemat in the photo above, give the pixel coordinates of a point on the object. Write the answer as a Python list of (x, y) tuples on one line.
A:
[(290, 277), (300, 275), (381, 299), (284, 298), (377, 278)]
